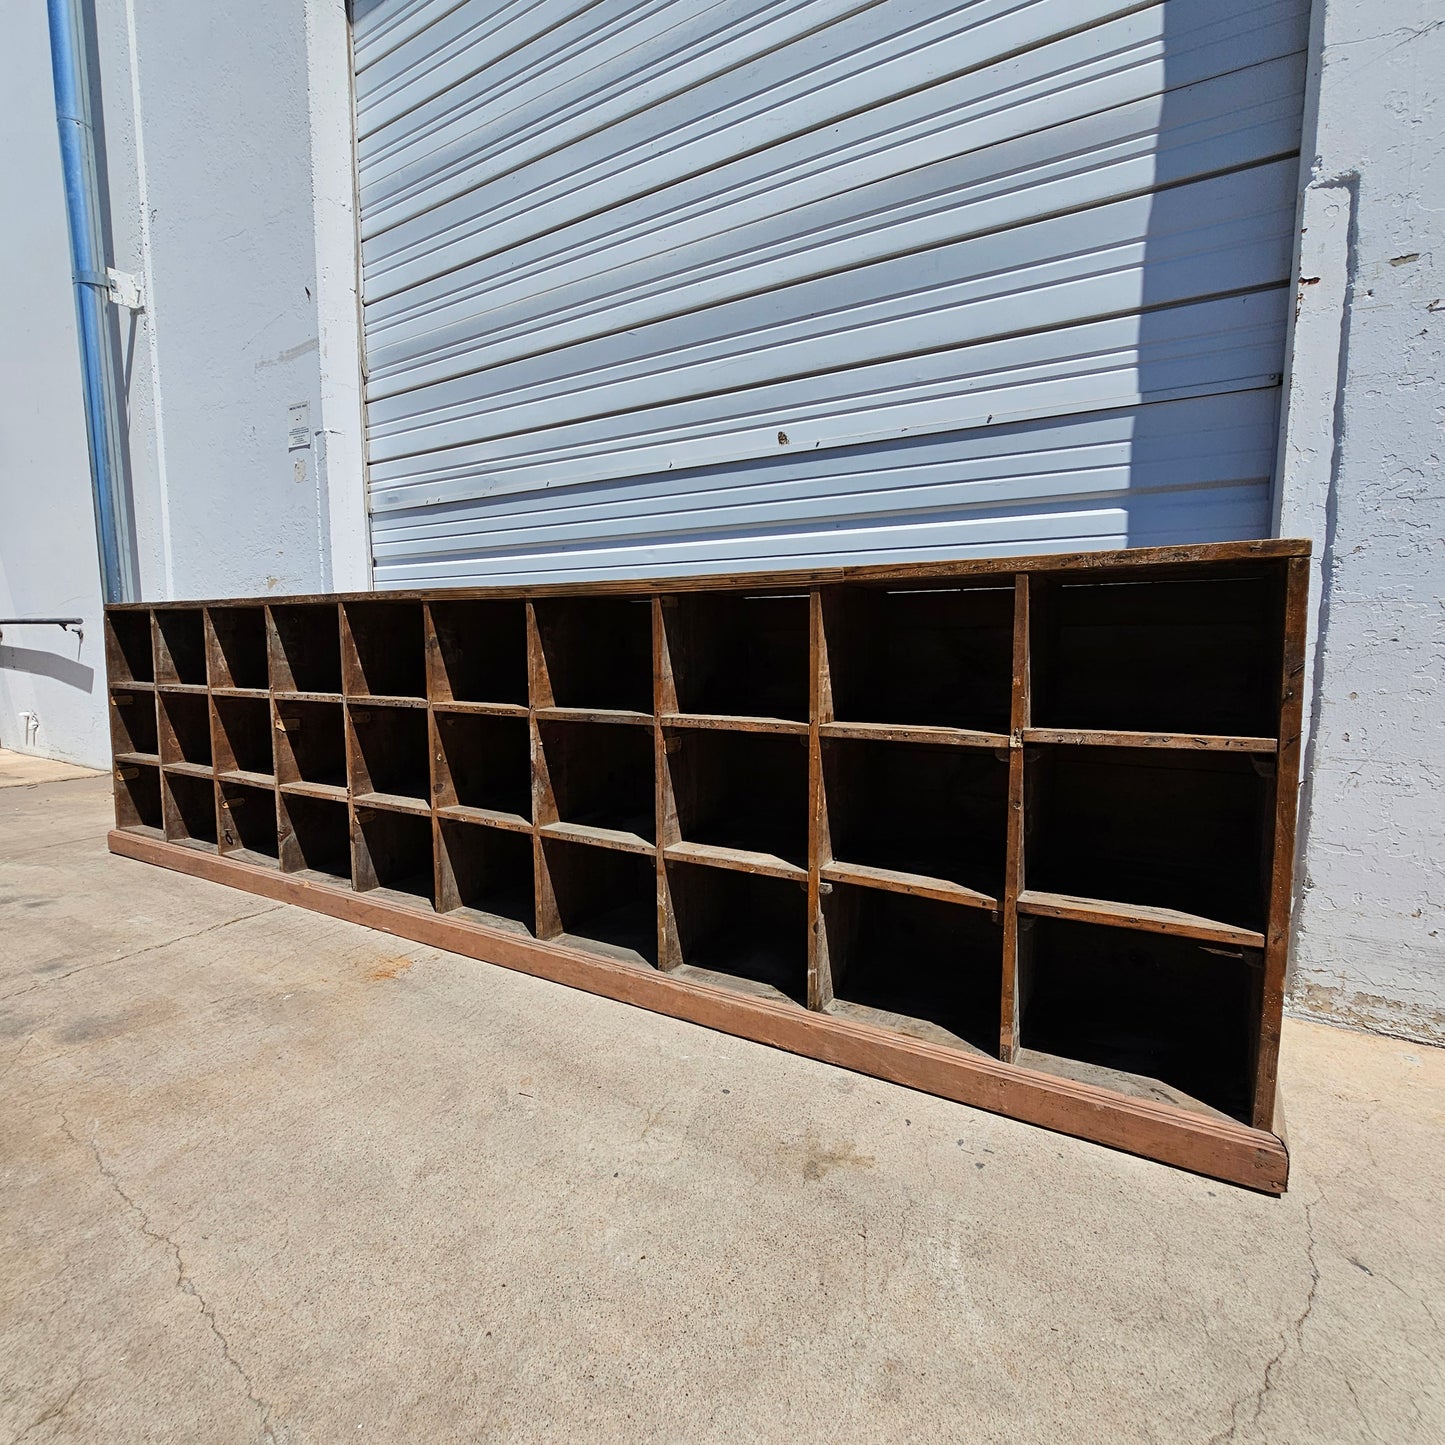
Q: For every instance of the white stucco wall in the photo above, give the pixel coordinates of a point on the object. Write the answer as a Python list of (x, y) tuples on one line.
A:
[(48, 561), (240, 228), (1362, 477)]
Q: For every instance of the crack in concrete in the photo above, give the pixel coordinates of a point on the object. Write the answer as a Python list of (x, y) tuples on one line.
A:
[(1295, 1335), (51, 1412), (184, 1282), (137, 952)]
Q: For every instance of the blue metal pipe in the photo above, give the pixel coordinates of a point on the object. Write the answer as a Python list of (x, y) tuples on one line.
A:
[(69, 64)]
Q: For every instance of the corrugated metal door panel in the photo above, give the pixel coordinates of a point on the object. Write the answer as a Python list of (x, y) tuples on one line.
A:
[(653, 286)]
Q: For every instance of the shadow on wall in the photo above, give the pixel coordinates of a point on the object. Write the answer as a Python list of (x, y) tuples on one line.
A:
[(47, 664)]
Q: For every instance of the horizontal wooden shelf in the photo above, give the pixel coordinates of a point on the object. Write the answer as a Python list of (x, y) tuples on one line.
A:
[(130, 685), (726, 722), (149, 759), (242, 775), (360, 701), (1199, 742), (489, 817), (481, 709), (889, 732), (916, 884), (294, 696), (190, 770), (256, 692), (618, 838), (1131, 915), (740, 860), (625, 716), (394, 803), (329, 792), (198, 688)]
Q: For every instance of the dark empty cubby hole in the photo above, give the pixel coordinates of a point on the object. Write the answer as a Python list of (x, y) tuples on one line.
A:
[(310, 742), (739, 653), (1177, 655), (306, 642), (181, 654), (744, 925), (395, 853), (601, 775), (598, 651), (1172, 1009), (133, 721), (315, 837), (487, 871), (191, 815), (481, 652), (138, 797), (741, 790), (392, 751), (128, 647), (941, 811), (186, 728), (239, 659), (604, 899), (938, 656), (248, 822), (243, 735), (389, 649), (486, 762), (1155, 827), (923, 967)]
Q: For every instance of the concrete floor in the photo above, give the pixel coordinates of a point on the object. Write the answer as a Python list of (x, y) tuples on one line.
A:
[(268, 1176)]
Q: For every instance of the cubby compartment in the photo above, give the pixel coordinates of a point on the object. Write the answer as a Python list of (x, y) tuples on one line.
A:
[(248, 824), (486, 875), (1159, 828), (128, 655), (936, 811), (741, 790), (306, 647), (190, 809), (480, 653), (180, 646), (315, 838), (388, 649), (138, 798), (915, 965), (741, 930), (1181, 655), (601, 775), (394, 855), (739, 653), (926, 655), (484, 762), (391, 752), (185, 731), (133, 722), (243, 735), (238, 651), (596, 653), (1139, 1010), (310, 742), (601, 899)]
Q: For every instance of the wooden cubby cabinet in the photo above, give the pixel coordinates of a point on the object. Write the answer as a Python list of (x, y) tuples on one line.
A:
[(1018, 831)]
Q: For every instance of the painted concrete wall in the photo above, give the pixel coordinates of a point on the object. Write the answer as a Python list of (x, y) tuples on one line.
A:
[(240, 230), (48, 561), (1363, 477)]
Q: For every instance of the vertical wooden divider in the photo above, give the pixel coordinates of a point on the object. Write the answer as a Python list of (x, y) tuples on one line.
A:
[(1296, 588), (820, 709), (664, 701), (1009, 999), (544, 804), (363, 875), (443, 890)]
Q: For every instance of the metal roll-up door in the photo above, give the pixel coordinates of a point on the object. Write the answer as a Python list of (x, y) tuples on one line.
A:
[(695, 285)]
